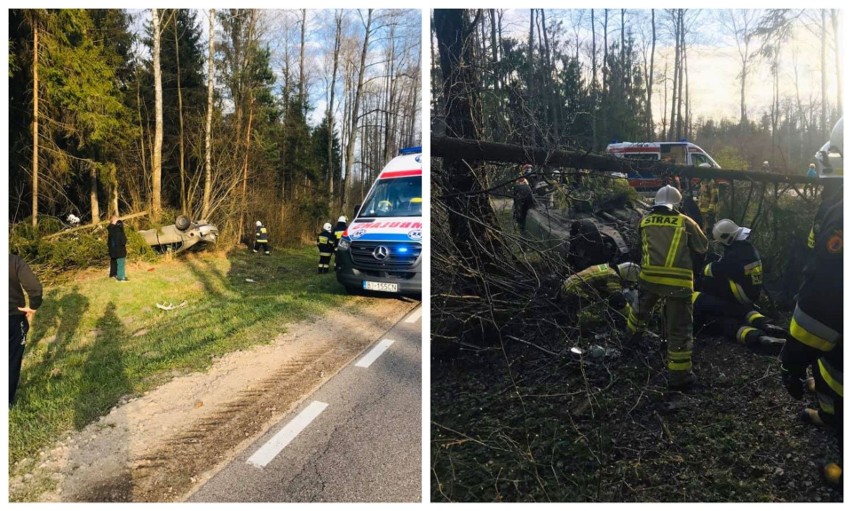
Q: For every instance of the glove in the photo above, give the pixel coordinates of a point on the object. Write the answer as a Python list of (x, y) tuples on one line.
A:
[(793, 379)]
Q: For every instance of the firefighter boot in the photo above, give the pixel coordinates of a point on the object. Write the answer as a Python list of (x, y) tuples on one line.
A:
[(811, 416), (767, 345), (833, 474)]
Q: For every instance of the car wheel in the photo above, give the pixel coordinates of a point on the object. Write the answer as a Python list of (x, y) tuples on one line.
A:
[(182, 222)]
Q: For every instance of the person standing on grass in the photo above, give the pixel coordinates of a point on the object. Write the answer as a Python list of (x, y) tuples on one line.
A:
[(117, 244), (261, 237), (21, 280)]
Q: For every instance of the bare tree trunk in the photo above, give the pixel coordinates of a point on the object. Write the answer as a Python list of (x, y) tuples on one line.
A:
[(838, 69), (651, 75), (338, 21), (494, 50), (822, 73), (302, 63), (245, 171), (208, 130), (35, 124), (183, 202), (93, 193), (594, 82), (530, 71), (156, 159), (350, 145)]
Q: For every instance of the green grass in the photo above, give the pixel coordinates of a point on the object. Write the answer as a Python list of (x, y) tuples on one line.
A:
[(95, 340)]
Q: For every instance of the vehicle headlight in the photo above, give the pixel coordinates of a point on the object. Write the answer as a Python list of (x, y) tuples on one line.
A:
[(343, 244)]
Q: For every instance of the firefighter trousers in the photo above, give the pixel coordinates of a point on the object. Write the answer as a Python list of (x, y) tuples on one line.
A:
[(678, 321), (324, 260), (735, 320)]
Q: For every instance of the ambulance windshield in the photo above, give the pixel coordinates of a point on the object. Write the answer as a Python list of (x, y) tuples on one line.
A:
[(395, 197)]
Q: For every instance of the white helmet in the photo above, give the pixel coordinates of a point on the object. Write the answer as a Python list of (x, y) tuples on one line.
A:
[(725, 231), (342, 219), (258, 223), (667, 196), (326, 226), (629, 272), (830, 156)]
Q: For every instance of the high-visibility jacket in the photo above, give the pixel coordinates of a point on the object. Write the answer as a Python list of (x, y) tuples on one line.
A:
[(667, 239), (325, 242), (817, 324), (737, 276), (338, 229), (599, 278), (260, 234), (708, 196)]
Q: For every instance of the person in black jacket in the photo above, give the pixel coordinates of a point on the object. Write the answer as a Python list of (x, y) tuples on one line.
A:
[(21, 280), (117, 244), (729, 288), (339, 229), (325, 243), (523, 197), (817, 330)]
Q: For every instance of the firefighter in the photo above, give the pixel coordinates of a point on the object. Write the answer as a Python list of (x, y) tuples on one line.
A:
[(738, 275), (708, 201), (339, 229), (817, 325), (325, 243), (730, 286), (600, 281), (261, 237), (830, 194), (666, 274), (524, 199)]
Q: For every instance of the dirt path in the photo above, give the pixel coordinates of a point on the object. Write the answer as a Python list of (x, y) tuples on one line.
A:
[(162, 445)]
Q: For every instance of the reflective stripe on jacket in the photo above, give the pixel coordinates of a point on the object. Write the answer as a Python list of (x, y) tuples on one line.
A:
[(667, 238), (737, 276), (600, 278)]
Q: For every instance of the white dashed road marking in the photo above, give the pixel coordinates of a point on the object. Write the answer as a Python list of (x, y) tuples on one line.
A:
[(414, 316), (374, 353), (277, 443)]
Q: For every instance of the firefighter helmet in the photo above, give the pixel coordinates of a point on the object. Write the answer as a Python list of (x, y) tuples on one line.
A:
[(667, 196), (258, 223), (725, 231), (342, 219), (326, 226), (629, 272), (830, 156)]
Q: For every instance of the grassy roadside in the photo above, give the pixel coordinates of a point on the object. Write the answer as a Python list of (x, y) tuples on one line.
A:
[(96, 340)]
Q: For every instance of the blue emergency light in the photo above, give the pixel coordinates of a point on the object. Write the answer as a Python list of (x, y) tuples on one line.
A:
[(402, 250), (410, 150)]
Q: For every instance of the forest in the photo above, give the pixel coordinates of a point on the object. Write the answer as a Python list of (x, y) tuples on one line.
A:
[(229, 116), (536, 397), (583, 78)]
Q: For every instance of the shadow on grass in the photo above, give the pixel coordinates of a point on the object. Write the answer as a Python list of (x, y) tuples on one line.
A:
[(64, 313), (103, 380)]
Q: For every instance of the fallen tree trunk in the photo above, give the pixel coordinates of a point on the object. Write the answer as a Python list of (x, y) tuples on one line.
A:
[(90, 226), (475, 150)]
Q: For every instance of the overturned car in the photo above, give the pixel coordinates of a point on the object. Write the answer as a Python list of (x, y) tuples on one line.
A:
[(594, 229), (181, 236)]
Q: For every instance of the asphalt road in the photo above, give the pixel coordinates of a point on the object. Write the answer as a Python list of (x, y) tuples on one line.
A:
[(356, 439)]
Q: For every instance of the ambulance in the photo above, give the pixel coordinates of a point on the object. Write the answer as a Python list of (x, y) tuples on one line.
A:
[(381, 249), (674, 153)]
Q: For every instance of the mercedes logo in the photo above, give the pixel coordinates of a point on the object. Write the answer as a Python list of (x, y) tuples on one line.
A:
[(381, 252)]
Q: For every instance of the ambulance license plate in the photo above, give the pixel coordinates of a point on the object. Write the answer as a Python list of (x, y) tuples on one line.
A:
[(388, 287)]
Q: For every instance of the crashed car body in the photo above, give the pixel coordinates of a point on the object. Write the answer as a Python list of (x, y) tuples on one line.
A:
[(181, 236), (606, 233)]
